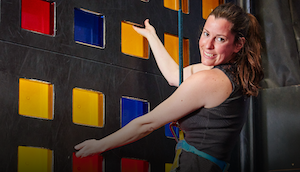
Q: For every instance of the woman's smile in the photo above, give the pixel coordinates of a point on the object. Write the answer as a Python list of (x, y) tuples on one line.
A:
[(208, 54)]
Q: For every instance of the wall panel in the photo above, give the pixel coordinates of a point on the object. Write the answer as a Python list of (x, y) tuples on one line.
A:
[(59, 60)]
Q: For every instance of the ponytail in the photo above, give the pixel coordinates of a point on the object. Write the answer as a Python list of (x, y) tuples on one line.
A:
[(249, 59)]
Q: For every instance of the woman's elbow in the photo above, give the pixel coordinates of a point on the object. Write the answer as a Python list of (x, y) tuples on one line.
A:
[(143, 127), (149, 129), (173, 82), (144, 131)]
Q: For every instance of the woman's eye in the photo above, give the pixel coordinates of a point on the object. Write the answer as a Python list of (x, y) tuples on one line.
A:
[(220, 39), (205, 33)]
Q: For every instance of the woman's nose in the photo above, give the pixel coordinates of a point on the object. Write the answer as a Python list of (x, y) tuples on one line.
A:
[(209, 44)]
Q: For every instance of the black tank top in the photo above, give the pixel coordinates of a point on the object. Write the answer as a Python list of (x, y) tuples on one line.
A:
[(215, 130)]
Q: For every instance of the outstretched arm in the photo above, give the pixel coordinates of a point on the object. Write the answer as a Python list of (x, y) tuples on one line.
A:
[(166, 64), (168, 67), (191, 95), (135, 130)]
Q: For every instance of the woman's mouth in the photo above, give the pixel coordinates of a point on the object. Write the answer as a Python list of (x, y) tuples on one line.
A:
[(208, 54)]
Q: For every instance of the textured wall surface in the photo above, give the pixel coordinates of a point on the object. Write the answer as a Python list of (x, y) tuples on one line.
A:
[(62, 62)]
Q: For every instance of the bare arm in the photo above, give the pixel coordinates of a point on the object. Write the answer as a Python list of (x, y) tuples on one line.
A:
[(168, 67), (166, 64), (211, 87)]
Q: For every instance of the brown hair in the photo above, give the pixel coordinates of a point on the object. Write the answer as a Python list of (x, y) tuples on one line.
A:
[(248, 59)]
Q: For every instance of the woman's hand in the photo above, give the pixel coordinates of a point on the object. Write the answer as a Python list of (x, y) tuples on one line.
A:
[(88, 148), (148, 30)]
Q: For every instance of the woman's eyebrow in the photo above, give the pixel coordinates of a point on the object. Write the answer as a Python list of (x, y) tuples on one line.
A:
[(221, 35)]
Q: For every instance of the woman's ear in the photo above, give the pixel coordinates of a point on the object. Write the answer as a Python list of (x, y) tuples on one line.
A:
[(240, 44)]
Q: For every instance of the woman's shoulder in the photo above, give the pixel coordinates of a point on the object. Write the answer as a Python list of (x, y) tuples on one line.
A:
[(230, 70), (213, 84), (206, 73), (199, 67), (194, 68)]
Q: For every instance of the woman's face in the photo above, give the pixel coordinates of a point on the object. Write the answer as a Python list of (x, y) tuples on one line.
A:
[(216, 43)]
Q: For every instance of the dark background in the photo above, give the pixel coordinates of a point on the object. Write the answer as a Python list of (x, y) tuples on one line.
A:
[(269, 141)]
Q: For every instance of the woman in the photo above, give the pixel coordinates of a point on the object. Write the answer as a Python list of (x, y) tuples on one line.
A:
[(212, 103)]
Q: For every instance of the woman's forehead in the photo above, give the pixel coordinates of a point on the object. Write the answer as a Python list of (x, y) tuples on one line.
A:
[(218, 25)]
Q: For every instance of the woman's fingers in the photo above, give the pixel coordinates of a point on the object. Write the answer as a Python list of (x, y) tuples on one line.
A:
[(79, 146), (85, 148), (148, 30), (146, 22)]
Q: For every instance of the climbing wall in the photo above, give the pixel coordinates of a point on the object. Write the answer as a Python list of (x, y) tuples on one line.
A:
[(75, 70)]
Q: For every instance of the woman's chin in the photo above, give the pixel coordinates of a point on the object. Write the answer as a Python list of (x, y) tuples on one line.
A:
[(208, 63)]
